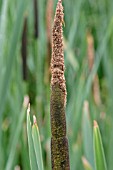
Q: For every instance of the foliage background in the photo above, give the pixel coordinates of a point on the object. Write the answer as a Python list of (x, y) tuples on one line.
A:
[(81, 19)]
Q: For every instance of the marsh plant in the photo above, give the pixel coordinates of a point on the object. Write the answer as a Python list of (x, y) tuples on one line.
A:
[(59, 142), (60, 132)]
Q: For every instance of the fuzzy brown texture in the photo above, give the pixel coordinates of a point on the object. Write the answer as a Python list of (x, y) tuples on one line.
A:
[(59, 142), (57, 61), (60, 161), (58, 120), (58, 87)]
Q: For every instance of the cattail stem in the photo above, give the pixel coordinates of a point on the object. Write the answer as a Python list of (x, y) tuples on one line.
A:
[(49, 17), (59, 142), (24, 49), (36, 19)]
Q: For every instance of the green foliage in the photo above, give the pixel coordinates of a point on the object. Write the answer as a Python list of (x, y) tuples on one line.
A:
[(13, 146), (98, 149), (37, 145), (32, 156), (87, 136)]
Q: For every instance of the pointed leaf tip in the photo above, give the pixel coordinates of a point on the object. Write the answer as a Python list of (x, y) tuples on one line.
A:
[(26, 101), (95, 123), (28, 109), (34, 119), (100, 161), (86, 164)]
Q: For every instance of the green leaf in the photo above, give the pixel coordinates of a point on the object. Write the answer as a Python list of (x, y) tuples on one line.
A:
[(16, 135), (87, 135), (11, 53), (75, 156), (3, 23), (32, 156), (110, 149), (37, 144), (100, 161)]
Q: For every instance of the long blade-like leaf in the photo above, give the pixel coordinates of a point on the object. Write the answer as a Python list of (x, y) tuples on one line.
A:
[(11, 53), (32, 156), (3, 21), (87, 135), (16, 135), (37, 144), (98, 149)]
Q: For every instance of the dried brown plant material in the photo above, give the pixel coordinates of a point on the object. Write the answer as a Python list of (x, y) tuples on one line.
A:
[(90, 50), (36, 29), (49, 18), (24, 49), (57, 61), (59, 142), (91, 57), (96, 90)]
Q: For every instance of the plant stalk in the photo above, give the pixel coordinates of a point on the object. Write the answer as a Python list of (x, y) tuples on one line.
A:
[(59, 141)]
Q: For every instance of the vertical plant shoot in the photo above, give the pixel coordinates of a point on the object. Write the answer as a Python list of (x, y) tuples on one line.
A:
[(49, 19), (36, 33), (24, 49), (91, 58), (59, 142), (100, 161)]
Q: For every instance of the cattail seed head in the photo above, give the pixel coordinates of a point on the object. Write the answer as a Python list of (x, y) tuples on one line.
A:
[(59, 141), (57, 61)]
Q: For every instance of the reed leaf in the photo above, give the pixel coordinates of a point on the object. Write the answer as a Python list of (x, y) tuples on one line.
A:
[(22, 6), (100, 161), (87, 135), (32, 155), (12, 152), (37, 144)]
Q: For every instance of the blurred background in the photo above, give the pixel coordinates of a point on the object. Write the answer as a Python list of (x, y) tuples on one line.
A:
[(25, 54)]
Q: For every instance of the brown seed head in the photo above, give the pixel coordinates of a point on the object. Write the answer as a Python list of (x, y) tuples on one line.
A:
[(57, 61)]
